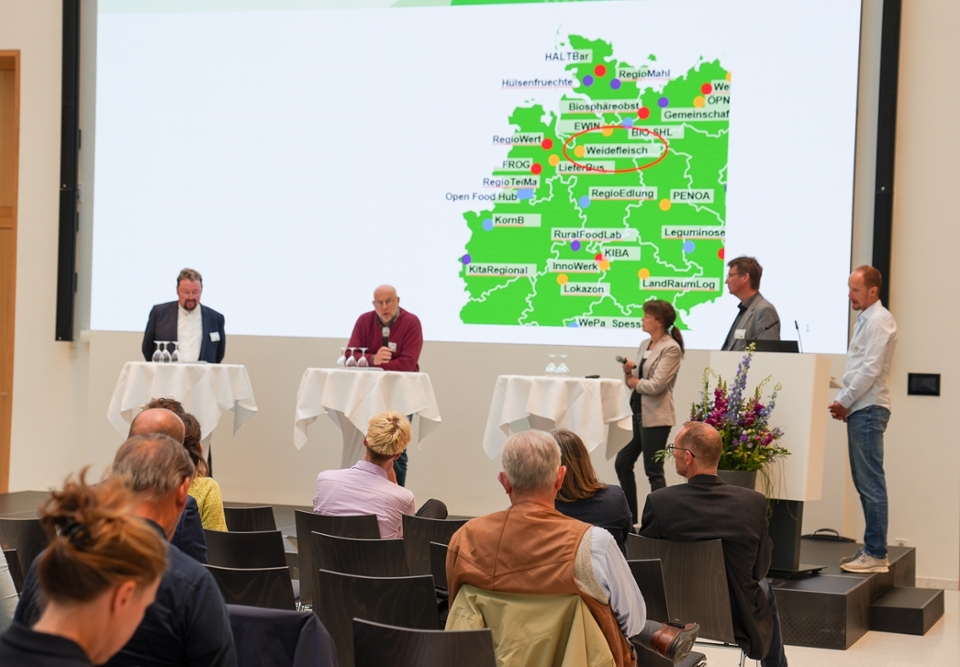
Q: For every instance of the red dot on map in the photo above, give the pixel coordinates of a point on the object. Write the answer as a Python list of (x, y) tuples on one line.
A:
[(720, 253), (536, 168), (706, 89), (547, 144), (598, 256), (600, 70), (643, 113)]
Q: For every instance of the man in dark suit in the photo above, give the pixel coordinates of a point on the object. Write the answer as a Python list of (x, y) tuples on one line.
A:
[(198, 329), (756, 318), (705, 508)]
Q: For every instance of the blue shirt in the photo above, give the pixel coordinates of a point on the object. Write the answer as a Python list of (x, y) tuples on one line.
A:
[(187, 625), (868, 360)]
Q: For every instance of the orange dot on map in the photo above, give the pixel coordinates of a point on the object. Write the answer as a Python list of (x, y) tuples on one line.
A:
[(554, 160), (664, 204), (579, 151), (729, 74), (698, 101), (607, 131), (643, 274), (562, 279), (604, 265)]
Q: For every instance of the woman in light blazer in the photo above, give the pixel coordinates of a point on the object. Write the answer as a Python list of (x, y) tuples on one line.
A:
[(652, 378)]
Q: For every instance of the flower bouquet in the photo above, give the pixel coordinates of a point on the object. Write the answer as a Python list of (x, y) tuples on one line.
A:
[(742, 419)]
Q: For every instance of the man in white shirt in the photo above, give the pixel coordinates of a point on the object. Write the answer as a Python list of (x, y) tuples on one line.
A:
[(864, 404), (197, 329)]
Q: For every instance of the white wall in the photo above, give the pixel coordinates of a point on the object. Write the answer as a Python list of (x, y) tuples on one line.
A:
[(61, 390)]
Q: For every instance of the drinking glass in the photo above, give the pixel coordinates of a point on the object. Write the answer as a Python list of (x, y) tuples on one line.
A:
[(165, 358), (175, 355), (342, 359), (157, 355), (351, 361), (563, 369), (362, 361), (551, 367)]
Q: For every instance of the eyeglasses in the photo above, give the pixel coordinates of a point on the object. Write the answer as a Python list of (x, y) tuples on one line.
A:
[(384, 304), (734, 274), (673, 449)]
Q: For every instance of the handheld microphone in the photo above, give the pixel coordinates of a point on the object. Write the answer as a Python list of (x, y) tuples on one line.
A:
[(386, 336), (622, 360), (799, 342)]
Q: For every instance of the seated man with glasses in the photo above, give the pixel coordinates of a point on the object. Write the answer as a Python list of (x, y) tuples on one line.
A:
[(706, 508), (393, 339)]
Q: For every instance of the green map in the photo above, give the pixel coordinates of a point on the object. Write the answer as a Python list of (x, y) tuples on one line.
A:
[(615, 198)]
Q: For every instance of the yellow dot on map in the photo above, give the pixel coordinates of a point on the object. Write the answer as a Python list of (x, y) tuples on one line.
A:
[(664, 204), (562, 279), (579, 151), (604, 265), (607, 131), (729, 74), (554, 160), (643, 274), (698, 101)]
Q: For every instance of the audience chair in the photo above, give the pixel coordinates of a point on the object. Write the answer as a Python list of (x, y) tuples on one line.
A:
[(27, 536), (419, 532), (250, 519), (363, 526), (266, 587), (245, 550), (379, 645), (438, 566), (368, 558), (280, 638), (403, 601), (13, 562)]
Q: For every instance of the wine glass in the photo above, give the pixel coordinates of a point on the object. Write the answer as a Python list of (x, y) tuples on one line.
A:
[(351, 361), (157, 355), (551, 367), (165, 358), (562, 368), (175, 355), (342, 359), (362, 361)]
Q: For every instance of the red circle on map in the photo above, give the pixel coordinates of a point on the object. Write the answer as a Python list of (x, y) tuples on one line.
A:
[(600, 70), (720, 253), (547, 143), (598, 257), (600, 128), (536, 168), (706, 89), (643, 113)]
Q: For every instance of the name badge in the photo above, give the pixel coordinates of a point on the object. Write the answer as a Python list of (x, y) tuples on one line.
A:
[(740, 334), (392, 346), (214, 336), (646, 355)]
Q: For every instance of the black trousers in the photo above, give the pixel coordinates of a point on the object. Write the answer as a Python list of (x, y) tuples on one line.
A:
[(646, 441)]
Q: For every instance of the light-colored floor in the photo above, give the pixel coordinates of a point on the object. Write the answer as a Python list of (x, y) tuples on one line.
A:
[(940, 646)]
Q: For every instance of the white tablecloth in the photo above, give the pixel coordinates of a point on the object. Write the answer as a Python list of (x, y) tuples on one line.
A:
[(205, 390), (352, 397), (584, 406)]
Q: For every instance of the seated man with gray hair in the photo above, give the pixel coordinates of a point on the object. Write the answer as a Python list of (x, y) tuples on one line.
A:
[(531, 548)]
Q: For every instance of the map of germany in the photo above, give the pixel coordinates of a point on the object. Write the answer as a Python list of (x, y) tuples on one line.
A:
[(617, 197)]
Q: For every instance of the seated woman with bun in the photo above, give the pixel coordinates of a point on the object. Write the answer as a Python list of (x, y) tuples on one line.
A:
[(99, 574), (204, 490), (584, 497)]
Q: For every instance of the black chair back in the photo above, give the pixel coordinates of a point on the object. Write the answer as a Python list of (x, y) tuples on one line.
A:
[(419, 532), (27, 536), (267, 587), (404, 601), (363, 526), (275, 638), (13, 562), (649, 577), (368, 558), (438, 565), (245, 550), (696, 582), (379, 645), (250, 519)]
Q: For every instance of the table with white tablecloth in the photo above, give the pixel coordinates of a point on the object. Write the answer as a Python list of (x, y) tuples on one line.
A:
[(352, 396), (205, 390), (596, 409)]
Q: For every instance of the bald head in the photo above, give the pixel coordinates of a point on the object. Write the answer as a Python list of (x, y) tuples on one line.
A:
[(157, 420)]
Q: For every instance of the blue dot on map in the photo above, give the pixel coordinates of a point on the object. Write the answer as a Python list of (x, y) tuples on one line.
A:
[(663, 102), (575, 245), (465, 259), (688, 246), (584, 201), (573, 324), (588, 80), (614, 83), (488, 224), (525, 193), (627, 122)]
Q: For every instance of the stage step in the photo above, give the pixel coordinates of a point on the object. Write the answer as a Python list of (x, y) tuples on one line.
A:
[(824, 611), (908, 611)]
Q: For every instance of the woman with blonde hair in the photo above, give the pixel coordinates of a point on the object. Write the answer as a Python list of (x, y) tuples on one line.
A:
[(99, 574), (584, 497)]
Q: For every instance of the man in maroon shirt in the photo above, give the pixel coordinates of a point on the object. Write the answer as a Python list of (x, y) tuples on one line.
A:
[(401, 352)]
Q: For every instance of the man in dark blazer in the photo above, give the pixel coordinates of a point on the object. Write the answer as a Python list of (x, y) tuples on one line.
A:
[(756, 319), (705, 508), (203, 337)]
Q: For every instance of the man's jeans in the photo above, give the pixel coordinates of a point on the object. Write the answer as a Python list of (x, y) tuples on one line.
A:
[(775, 656), (865, 439)]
